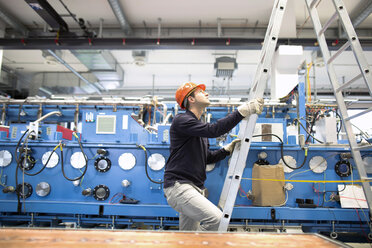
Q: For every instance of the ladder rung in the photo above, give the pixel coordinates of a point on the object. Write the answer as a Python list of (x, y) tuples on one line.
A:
[(348, 83), (328, 23), (359, 114), (343, 48), (313, 3), (362, 147)]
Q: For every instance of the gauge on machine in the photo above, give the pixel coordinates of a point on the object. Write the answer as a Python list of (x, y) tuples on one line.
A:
[(156, 161), (290, 161), (5, 158), (343, 168), (53, 161), (24, 190), (42, 189), (77, 160), (102, 164), (27, 164), (127, 161), (318, 164), (101, 192)]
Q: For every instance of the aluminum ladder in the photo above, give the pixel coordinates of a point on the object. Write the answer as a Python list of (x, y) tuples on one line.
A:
[(240, 153), (365, 73)]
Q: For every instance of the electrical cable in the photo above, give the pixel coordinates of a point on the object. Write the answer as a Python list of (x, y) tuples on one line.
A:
[(339, 116), (1, 178), (85, 157), (321, 142), (146, 170), (45, 165), (363, 134), (282, 151), (119, 200), (19, 141), (312, 125), (19, 205)]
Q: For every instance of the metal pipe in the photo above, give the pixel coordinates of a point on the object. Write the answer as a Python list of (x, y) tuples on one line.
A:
[(165, 109), (363, 15), (167, 118), (58, 113), (13, 22), (118, 102), (3, 115), (118, 11), (73, 71), (73, 102)]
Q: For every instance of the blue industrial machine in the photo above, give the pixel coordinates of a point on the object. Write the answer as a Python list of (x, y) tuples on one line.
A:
[(100, 163)]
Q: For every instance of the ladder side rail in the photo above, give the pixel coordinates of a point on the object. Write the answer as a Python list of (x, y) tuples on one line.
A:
[(238, 172), (341, 104), (246, 135), (235, 155), (231, 169), (355, 44)]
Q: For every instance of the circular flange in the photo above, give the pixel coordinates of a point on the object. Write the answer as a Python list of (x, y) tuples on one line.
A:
[(28, 164), (53, 161), (101, 192), (24, 192), (77, 160), (291, 161), (318, 164), (156, 161), (42, 189), (210, 167), (343, 168), (5, 158), (102, 164), (127, 161)]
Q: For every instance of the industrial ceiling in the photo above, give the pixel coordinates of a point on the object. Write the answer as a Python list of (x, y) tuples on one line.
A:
[(138, 48)]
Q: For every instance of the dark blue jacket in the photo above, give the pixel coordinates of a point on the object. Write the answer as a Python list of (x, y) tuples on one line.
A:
[(189, 148)]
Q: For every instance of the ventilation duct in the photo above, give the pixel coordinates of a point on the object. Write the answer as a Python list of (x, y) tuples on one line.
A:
[(13, 22), (118, 11), (102, 65), (225, 66)]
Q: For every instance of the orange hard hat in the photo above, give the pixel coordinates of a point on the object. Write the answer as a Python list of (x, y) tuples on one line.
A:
[(185, 90)]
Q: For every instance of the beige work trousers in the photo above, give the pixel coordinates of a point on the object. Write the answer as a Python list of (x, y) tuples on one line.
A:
[(197, 213)]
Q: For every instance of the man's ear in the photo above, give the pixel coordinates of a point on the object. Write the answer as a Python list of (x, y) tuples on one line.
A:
[(190, 99)]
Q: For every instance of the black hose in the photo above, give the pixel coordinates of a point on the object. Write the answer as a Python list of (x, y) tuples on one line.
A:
[(19, 161), (19, 204), (34, 174), (321, 142), (339, 116), (312, 125), (282, 152), (19, 141), (86, 164), (146, 165)]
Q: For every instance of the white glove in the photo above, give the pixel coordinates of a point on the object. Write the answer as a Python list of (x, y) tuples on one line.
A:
[(230, 147), (252, 107)]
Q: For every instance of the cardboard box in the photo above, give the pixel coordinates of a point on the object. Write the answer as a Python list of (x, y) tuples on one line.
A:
[(268, 193)]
